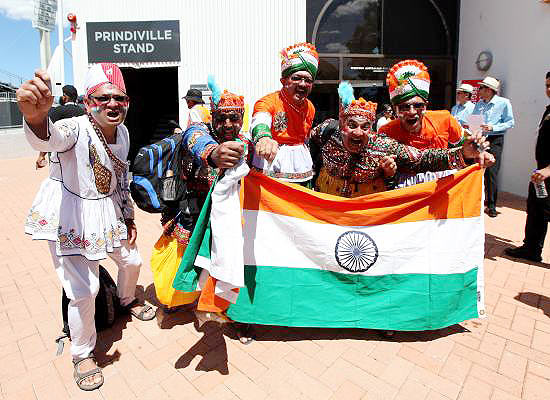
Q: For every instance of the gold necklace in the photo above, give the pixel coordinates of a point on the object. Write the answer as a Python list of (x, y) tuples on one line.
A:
[(118, 165)]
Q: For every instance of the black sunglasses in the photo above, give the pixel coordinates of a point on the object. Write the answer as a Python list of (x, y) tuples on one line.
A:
[(233, 117), (106, 99), (407, 107)]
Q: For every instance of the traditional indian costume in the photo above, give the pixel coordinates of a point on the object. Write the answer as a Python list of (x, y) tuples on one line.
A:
[(440, 130), (277, 116), (347, 174), (81, 208)]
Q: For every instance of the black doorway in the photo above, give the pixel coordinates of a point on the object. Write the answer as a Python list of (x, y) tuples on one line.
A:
[(153, 102)]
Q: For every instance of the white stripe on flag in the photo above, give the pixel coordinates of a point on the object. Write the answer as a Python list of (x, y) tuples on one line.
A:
[(424, 247)]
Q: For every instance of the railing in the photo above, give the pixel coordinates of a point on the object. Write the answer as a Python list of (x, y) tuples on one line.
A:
[(7, 96)]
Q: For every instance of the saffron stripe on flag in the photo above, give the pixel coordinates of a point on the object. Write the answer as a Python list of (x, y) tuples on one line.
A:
[(455, 196)]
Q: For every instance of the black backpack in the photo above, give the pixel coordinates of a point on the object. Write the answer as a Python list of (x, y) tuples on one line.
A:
[(107, 307), (156, 183)]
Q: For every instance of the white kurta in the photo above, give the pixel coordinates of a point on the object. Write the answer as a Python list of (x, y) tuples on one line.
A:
[(68, 208)]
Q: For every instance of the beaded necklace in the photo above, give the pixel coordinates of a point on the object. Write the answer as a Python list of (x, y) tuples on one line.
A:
[(287, 101), (118, 165)]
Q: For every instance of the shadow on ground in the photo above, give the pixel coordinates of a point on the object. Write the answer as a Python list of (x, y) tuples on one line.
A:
[(535, 300), (212, 348), (512, 201), (495, 245)]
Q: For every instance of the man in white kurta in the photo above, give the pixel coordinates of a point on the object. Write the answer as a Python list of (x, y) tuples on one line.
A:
[(83, 209)]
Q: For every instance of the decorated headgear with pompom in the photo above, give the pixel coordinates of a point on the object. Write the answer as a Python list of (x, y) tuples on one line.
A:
[(350, 107), (407, 79), (223, 101), (299, 57), (103, 74)]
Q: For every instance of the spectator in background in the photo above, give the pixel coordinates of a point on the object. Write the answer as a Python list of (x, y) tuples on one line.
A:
[(498, 117), (538, 209), (387, 116), (67, 105), (67, 109), (197, 111), (464, 106)]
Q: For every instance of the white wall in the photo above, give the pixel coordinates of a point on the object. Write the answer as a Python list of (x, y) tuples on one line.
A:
[(237, 41), (517, 32)]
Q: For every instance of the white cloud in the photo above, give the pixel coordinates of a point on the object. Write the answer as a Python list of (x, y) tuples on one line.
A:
[(352, 7), (17, 9), (24, 9)]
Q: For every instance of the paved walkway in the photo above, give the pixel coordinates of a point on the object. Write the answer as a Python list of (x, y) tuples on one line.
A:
[(503, 357), (13, 144)]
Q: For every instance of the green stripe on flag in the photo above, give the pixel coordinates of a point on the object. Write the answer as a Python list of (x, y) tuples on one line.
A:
[(315, 298), (187, 277)]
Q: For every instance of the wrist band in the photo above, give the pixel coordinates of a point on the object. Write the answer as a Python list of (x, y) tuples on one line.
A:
[(262, 135)]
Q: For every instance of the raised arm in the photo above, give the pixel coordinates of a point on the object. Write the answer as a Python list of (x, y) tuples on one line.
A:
[(414, 160), (35, 99)]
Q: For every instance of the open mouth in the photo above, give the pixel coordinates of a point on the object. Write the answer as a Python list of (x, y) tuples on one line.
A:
[(412, 120), (113, 113), (356, 142), (301, 93)]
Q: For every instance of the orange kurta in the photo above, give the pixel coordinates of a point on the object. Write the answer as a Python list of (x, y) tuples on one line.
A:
[(290, 125), (439, 130)]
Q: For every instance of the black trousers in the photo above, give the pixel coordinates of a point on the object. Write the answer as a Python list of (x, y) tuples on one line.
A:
[(536, 224), (491, 173)]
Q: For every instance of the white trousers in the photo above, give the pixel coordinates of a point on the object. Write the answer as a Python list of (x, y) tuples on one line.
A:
[(80, 279)]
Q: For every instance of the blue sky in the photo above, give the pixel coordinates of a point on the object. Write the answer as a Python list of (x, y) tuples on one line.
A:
[(20, 42)]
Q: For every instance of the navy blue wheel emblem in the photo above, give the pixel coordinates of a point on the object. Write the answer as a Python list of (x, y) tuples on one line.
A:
[(355, 251)]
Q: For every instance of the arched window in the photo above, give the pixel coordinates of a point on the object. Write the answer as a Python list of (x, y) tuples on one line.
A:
[(389, 27), (349, 26)]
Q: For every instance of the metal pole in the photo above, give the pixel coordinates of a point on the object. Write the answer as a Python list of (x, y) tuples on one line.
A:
[(45, 50), (61, 41)]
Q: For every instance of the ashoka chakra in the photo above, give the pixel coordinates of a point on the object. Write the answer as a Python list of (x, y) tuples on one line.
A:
[(355, 251)]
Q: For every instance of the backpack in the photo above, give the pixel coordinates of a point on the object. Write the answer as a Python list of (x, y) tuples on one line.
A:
[(107, 307), (156, 183)]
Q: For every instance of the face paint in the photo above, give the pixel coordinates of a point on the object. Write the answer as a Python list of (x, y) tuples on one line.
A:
[(108, 105)]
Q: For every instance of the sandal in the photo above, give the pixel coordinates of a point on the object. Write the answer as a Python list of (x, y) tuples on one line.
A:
[(79, 377), (207, 316), (245, 332), (385, 334), (144, 314)]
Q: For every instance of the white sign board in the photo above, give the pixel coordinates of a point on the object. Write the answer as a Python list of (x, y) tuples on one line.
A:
[(44, 14)]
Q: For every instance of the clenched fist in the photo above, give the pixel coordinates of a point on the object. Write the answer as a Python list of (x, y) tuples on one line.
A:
[(388, 165), (35, 99), (267, 148), (227, 154)]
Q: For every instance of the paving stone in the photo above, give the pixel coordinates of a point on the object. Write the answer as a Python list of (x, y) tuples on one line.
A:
[(503, 357)]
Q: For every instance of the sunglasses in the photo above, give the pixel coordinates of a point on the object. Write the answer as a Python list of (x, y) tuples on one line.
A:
[(309, 81), (106, 99), (233, 117), (407, 107)]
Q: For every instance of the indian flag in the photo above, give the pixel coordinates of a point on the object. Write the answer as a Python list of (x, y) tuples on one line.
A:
[(406, 259)]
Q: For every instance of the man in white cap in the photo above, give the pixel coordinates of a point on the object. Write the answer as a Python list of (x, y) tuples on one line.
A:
[(498, 116), (464, 106), (84, 210)]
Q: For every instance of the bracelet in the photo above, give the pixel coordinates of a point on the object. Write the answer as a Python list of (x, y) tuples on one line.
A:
[(262, 135)]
